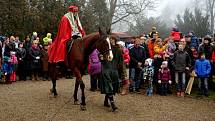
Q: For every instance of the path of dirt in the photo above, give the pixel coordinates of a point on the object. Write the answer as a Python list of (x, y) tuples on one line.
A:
[(30, 101)]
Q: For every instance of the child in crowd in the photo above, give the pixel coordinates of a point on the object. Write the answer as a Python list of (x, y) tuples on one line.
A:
[(13, 63), (203, 69), (171, 47), (94, 69), (164, 77), (6, 69), (148, 73)]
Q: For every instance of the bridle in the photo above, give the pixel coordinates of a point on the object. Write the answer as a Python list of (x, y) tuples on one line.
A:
[(105, 51)]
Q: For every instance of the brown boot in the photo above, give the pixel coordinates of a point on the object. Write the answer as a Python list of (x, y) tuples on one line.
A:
[(182, 94), (178, 94), (125, 88), (124, 91)]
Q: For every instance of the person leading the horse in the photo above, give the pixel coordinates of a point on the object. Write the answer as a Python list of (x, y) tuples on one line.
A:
[(69, 29)]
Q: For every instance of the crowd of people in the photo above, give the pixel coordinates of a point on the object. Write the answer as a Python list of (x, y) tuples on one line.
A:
[(146, 62), (150, 60), (156, 64), (24, 59)]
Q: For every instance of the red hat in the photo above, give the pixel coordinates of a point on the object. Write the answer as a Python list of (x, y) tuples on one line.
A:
[(73, 9)]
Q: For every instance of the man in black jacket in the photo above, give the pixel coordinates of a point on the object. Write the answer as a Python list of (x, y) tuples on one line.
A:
[(138, 55)]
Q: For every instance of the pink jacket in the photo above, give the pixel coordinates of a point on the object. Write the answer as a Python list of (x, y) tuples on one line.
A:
[(13, 59), (126, 56)]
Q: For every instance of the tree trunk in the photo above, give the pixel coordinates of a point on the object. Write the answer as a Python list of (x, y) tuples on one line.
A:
[(212, 23), (111, 12)]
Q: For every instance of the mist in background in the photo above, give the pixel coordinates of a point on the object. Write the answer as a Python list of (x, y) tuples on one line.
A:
[(167, 10)]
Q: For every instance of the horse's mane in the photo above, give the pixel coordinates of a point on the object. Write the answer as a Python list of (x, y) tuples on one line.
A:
[(89, 44), (90, 35)]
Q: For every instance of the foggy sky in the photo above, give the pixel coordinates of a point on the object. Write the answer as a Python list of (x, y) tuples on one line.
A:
[(168, 9), (172, 7)]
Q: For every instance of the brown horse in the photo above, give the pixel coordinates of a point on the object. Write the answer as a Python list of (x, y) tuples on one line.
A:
[(78, 60)]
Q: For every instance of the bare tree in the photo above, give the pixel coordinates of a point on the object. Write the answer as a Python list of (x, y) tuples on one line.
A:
[(119, 10), (210, 8)]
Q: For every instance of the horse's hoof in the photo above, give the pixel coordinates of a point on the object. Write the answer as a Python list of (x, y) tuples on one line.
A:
[(76, 102), (55, 93), (83, 107), (55, 96)]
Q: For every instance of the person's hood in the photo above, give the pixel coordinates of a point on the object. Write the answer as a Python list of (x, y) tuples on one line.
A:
[(149, 60)]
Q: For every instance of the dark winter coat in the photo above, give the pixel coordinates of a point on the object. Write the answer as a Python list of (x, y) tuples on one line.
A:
[(21, 54), (27, 60), (207, 50), (33, 53), (190, 53), (136, 55), (145, 46), (8, 48), (111, 72), (181, 60)]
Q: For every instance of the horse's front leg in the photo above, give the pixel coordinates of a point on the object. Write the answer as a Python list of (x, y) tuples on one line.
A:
[(80, 82), (83, 103), (75, 95)]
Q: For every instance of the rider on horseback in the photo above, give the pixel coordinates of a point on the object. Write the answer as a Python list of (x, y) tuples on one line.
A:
[(69, 29)]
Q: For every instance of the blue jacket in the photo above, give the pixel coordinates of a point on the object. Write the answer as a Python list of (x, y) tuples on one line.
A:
[(202, 68)]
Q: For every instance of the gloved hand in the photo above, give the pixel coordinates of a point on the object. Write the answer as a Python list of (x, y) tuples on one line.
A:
[(170, 82), (37, 57), (159, 81)]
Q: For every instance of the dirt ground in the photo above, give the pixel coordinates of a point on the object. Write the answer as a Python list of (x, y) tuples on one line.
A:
[(30, 101)]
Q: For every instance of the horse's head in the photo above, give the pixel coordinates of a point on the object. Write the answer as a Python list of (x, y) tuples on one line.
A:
[(104, 45)]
